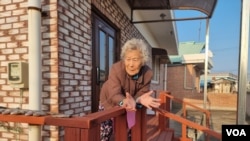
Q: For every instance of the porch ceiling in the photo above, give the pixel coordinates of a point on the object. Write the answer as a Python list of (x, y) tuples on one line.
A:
[(156, 21)]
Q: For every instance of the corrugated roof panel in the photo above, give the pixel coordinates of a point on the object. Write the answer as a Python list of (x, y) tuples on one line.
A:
[(191, 47)]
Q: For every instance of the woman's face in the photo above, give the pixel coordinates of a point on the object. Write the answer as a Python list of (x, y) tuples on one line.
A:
[(133, 62)]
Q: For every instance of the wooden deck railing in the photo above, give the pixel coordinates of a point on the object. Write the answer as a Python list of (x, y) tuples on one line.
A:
[(165, 115), (87, 128)]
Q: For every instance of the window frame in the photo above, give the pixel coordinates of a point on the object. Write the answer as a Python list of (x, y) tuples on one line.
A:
[(156, 69)]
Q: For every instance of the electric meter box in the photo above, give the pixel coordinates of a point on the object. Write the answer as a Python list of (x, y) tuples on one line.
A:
[(18, 74)]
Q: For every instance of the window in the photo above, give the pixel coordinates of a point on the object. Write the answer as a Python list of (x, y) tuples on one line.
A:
[(156, 68)]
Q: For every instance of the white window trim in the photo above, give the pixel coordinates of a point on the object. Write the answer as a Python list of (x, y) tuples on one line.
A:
[(156, 69)]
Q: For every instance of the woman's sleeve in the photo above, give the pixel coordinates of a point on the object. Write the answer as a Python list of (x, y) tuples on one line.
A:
[(115, 94)]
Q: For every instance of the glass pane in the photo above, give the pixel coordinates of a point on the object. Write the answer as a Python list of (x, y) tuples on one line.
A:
[(102, 51), (111, 51)]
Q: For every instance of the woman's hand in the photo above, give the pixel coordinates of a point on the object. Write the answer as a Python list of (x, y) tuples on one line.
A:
[(149, 101), (129, 103)]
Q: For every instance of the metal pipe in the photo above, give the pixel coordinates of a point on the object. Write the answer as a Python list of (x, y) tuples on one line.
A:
[(243, 61), (165, 82), (169, 20), (34, 42), (206, 65), (165, 77)]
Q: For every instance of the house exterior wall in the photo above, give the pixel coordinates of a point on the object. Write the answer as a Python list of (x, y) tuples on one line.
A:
[(13, 47), (222, 82), (66, 56), (162, 79), (182, 81), (222, 86)]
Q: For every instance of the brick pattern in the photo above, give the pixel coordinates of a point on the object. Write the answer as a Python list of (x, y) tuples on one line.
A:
[(183, 81), (13, 47), (113, 12), (74, 57), (160, 84), (66, 55)]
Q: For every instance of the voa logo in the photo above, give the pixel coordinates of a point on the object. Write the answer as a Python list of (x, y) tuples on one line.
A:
[(236, 132)]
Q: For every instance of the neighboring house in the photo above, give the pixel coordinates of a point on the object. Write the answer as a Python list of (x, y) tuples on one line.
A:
[(221, 82), (80, 40), (186, 68)]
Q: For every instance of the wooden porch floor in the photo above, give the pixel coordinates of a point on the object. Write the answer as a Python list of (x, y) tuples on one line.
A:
[(153, 132), (152, 125)]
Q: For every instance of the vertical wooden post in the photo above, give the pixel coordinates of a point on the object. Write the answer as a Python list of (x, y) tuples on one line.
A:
[(166, 106), (71, 134), (138, 132), (120, 128), (184, 126), (82, 134), (143, 124)]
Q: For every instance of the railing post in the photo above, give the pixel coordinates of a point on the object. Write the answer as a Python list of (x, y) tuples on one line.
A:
[(143, 124), (138, 132), (166, 106), (82, 134), (184, 126), (120, 128), (71, 134)]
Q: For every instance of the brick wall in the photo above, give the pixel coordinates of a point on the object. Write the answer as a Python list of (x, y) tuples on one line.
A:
[(66, 55), (162, 79), (74, 57), (13, 47), (180, 83), (115, 15)]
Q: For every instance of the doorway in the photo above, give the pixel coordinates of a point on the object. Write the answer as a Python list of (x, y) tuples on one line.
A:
[(104, 54)]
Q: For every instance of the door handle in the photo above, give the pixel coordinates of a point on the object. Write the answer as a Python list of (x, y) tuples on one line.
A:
[(97, 75)]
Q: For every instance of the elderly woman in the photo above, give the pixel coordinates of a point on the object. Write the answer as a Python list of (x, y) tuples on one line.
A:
[(128, 83)]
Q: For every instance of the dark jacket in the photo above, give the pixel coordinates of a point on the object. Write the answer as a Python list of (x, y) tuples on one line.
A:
[(119, 82)]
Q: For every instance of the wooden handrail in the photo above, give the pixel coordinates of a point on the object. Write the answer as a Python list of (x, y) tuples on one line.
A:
[(88, 120), (185, 103), (77, 122), (86, 128), (163, 110), (188, 123)]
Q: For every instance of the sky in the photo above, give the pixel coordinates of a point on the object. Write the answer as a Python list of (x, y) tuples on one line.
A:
[(224, 34)]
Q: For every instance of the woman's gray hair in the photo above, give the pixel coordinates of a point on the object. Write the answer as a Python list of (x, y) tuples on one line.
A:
[(136, 44)]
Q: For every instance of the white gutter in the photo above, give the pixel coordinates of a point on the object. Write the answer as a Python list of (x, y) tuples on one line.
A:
[(34, 42)]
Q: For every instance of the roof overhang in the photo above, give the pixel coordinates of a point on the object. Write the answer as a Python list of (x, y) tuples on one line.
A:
[(205, 6), (155, 19), (197, 59), (163, 55)]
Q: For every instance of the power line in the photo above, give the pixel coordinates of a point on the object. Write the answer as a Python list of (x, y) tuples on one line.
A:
[(224, 49)]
